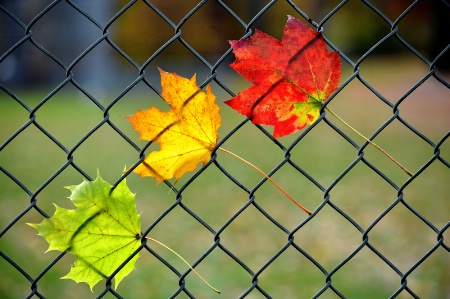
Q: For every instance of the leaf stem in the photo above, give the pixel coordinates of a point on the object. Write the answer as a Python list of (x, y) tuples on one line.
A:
[(181, 258), (267, 177), (370, 141)]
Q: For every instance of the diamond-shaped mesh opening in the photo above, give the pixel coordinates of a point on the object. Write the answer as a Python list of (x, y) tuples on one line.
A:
[(68, 105), (9, 29), (381, 281), (266, 159), (19, 199), (299, 187), (250, 221), (417, 194), (23, 57), (371, 195), (395, 78), (71, 70), (88, 73), (323, 154), (25, 11), (290, 274), (211, 41), (13, 122), (182, 57), (428, 116), (67, 40), (412, 149), (205, 199), (420, 281), (419, 23), (365, 110), (359, 33), (112, 163), (23, 146), (193, 234), (100, 11), (404, 253), (139, 32), (330, 242)]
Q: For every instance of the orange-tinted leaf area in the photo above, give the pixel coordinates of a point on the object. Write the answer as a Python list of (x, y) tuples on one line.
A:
[(186, 133), (291, 79)]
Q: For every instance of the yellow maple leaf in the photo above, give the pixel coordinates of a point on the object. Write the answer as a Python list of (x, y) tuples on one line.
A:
[(186, 133)]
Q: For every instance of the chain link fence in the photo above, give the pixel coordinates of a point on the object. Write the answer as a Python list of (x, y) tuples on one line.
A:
[(70, 71)]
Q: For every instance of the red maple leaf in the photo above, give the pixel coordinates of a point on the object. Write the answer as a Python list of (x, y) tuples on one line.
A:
[(291, 78)]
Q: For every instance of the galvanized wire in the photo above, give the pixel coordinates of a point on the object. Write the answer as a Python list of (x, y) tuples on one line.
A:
[(214, 74)]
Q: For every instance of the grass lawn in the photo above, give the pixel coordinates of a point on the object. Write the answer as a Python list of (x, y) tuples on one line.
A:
[(322, 153)]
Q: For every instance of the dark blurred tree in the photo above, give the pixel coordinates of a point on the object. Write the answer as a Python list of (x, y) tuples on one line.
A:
[(140, 31), (440, 37), (425, 27)]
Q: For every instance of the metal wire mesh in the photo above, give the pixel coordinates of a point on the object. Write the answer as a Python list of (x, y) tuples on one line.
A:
[(258, 246)]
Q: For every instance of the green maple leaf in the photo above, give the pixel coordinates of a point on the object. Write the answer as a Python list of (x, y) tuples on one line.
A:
[(102, 232)]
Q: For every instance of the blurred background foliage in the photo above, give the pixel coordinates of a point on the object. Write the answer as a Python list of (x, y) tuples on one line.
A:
[(140, 31)]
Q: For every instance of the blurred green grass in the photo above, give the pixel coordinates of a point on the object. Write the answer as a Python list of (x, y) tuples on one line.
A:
[(329, 238)]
